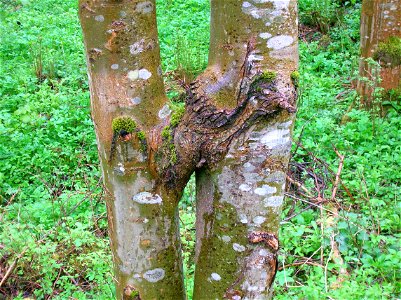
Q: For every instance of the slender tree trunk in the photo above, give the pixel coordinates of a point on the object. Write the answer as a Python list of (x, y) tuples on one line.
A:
[(127, 87), (380, 34), (235, 133), (239, 199)]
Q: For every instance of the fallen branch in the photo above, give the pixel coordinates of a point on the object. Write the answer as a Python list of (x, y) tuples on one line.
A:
[(331, 221)]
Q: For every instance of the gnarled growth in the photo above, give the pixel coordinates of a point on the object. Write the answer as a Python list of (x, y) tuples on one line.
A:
[(234, 132)]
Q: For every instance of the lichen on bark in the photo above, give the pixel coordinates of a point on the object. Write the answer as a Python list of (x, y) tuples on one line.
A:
[(235, 127)]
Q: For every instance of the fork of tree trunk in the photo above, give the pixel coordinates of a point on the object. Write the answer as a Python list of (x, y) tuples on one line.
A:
[(235, 133)]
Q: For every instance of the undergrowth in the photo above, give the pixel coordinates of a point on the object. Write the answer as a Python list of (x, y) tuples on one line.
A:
[(53, 223)]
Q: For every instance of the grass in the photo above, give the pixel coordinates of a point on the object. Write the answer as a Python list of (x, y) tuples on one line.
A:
[(52, 217)]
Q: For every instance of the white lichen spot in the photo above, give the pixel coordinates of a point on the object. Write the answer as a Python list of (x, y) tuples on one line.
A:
[(263, 275), (147, 198), (249, 167), (114, 66), (144, 74), (164, 112), (276, 137), (121, 168), (145, 220), (154, 275), (136, 100), (265, 190), (280, 42), (244, 187), (144, 7), (215, 277), (263, 252), (265, 35), (243, 219), (137, 47), (99, 18), (139, 74), (254, 101), (123, 14), (253, 288), (226, 238), (238, 247), (274, 201), (259, 220), (250, 9), (133, 75), (255, 14), (255, 57), (282, 4)]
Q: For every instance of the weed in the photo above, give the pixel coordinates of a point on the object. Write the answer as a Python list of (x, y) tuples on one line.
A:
[(322, 14)]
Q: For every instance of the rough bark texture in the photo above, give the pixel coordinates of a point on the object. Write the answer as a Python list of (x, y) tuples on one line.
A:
[(380, 22), (235, 133), (239, 198)]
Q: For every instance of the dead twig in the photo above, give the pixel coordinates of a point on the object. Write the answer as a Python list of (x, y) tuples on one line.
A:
[(12, 267), (331, 221), (339, 170)]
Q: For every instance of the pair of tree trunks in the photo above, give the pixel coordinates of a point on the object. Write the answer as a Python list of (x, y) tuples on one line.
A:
[(235, 134), (381, 41)]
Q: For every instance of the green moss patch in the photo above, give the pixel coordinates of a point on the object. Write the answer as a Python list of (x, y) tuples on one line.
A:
[(389, 52), (295, 78), (262, 79), (176, 116), (123, 123), (268, 76)]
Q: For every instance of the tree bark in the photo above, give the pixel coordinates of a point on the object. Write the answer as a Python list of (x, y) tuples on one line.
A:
[(380, 24), (239, 199), (235, 133), (126, 85)]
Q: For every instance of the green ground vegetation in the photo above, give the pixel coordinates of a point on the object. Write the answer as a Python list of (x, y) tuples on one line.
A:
[(52, 215)]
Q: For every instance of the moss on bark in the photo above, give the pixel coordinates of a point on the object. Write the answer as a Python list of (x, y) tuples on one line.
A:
[(389, 52)]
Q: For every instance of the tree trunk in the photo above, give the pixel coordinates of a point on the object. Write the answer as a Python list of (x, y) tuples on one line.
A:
[(380, 40), (239, 199), (235, 133), (127, 93)]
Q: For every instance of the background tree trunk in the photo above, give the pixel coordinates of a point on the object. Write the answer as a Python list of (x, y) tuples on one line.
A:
[(380, 24), (235, 133), (239, 199)]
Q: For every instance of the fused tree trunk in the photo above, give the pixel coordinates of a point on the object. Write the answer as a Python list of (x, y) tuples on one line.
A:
[(380, 40), (235, 133), (239, 198)]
